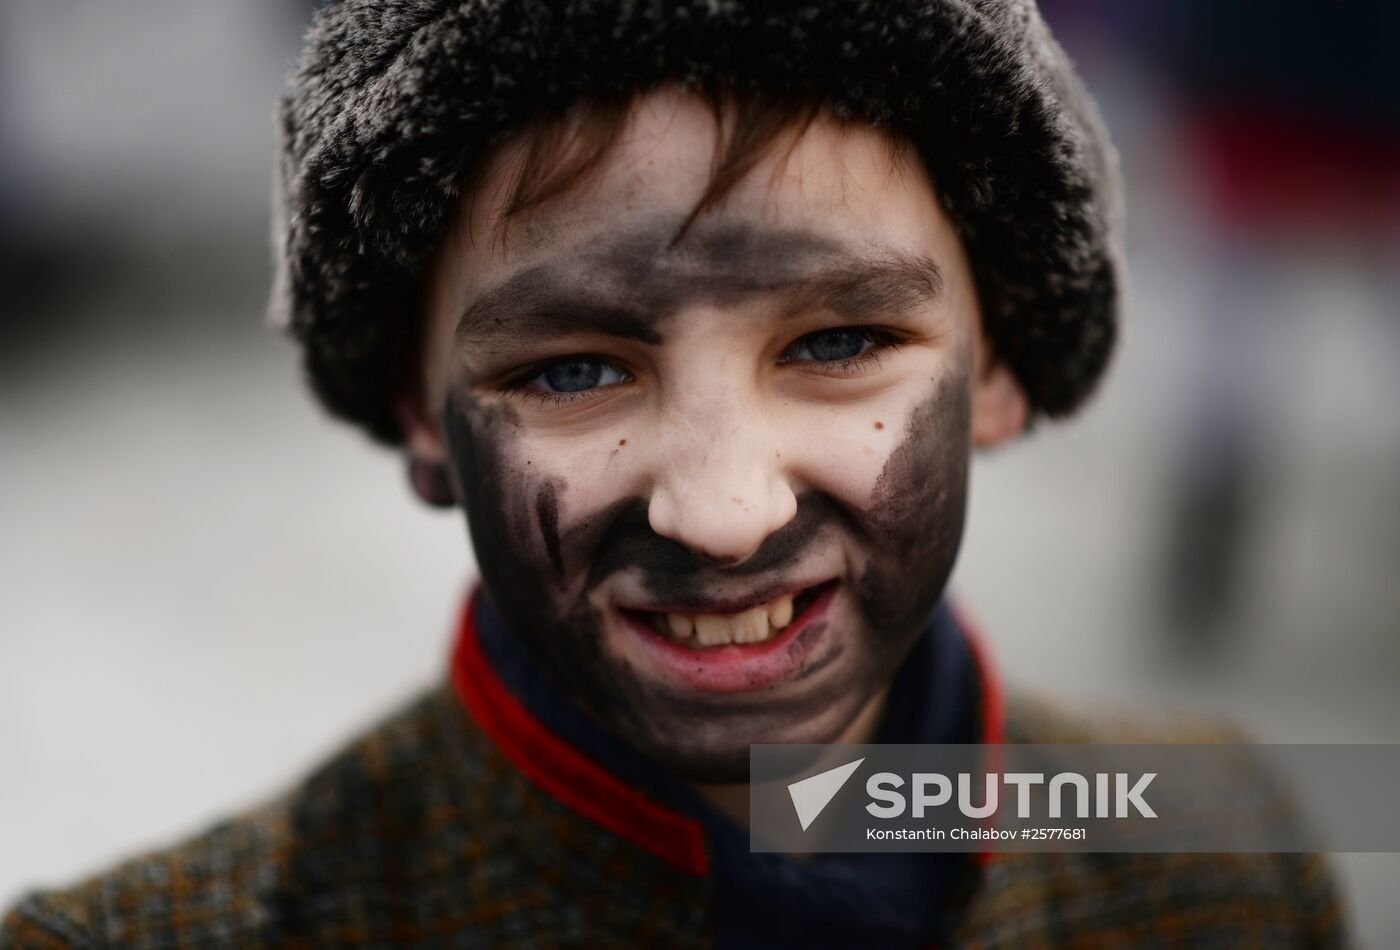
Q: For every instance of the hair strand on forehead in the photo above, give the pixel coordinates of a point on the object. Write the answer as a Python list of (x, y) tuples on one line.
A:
[(564, 149)]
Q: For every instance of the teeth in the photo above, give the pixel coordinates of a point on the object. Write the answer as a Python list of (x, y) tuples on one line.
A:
[(712, 630), (780, 612), (752, 626)]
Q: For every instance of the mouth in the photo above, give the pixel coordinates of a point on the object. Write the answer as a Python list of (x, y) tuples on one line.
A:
[(749, 645), (717, 627)]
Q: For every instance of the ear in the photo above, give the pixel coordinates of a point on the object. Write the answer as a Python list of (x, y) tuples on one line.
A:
[(424, 451), (999, 405)]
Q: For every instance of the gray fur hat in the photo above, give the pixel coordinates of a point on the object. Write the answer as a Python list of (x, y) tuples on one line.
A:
[(396, 101)]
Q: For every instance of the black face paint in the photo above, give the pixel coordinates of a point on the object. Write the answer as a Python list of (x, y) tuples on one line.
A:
[(673, 573), (547, 510), (518, 546), (539, 559), (632, 285), (919, 505), (910, 535)]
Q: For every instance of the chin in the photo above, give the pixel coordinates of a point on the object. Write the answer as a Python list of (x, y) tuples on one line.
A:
[(718, 754)]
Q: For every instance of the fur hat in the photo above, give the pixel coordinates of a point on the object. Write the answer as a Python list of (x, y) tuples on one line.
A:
[(396, 101)]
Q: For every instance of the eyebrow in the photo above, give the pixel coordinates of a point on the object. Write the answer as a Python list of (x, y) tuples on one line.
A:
[(539, 303), (548, 300), (861, 287)]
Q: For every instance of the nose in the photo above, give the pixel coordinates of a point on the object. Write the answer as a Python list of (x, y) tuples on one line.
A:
[(721, 489)]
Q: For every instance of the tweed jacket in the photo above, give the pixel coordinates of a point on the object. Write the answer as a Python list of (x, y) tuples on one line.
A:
[(459, 821)]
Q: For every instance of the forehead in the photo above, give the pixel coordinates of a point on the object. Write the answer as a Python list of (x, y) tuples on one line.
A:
[(838, 189), (841, 180)]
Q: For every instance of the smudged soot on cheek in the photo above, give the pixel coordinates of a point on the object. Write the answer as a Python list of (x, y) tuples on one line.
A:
[(503, 511), (547, 513), (565, 636), (511, 514), (917, 512)]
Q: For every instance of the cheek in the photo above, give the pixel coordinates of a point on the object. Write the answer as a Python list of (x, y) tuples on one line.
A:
[(917, 510), (513, 505), (565, 486), (842, 452)]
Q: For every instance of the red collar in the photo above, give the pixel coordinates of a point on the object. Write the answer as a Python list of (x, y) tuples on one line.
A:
[(591, 790)]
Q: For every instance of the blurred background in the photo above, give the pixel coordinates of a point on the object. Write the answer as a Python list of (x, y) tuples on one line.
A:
[(205, 587)]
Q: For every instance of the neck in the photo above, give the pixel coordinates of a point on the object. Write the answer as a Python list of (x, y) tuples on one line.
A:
[(733, 800)]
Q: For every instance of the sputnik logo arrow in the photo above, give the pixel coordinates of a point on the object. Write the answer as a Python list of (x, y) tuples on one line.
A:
[(814, 793)]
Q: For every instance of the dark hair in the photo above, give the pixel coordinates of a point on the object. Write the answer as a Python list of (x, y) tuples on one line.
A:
[(565, 149)]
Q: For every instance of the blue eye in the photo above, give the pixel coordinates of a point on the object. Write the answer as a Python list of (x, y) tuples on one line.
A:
[(577, 374), (830, 346)]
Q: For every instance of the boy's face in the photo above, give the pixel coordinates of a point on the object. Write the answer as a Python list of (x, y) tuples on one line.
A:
[(717, 488)]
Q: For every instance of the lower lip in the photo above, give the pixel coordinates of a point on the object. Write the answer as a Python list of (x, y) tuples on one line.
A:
[(736, 667)]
